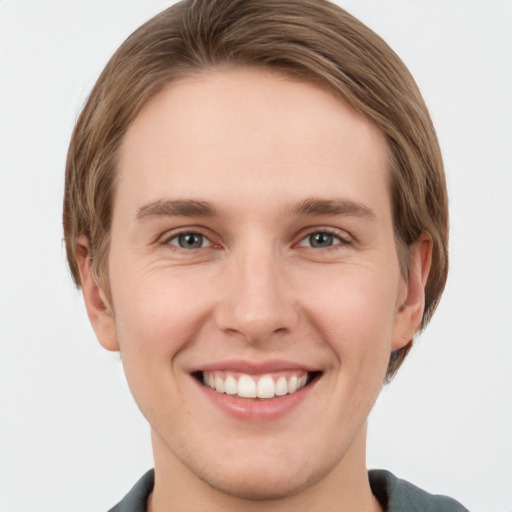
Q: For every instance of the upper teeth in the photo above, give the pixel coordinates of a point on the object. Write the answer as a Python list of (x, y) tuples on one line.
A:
[(246, 386)]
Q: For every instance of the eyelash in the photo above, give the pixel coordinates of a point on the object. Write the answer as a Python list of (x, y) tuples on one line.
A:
[(176, 236), (342, 240)]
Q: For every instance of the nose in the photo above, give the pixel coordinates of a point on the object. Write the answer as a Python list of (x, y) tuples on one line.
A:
[(257, 302)]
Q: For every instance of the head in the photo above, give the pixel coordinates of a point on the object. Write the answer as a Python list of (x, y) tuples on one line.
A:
[(309, 42), (314, 41)]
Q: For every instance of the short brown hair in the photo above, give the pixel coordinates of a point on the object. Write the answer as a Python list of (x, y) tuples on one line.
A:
[(311, 39)]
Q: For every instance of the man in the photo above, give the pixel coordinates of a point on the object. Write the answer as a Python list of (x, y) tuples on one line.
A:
[(256, 212)]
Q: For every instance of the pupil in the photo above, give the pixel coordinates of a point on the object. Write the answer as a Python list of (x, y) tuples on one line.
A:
[(190, 241), (321, 240)]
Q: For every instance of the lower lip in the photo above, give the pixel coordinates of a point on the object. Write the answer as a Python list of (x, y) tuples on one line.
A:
[(257, 410)]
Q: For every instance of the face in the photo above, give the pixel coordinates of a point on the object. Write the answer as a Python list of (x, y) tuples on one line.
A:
[(256, 289)]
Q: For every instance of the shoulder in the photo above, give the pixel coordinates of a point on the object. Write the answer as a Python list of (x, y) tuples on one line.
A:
[(397, 495), (136, 499)]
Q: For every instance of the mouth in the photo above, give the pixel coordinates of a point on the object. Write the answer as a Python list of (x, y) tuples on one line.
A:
[(265, 386)]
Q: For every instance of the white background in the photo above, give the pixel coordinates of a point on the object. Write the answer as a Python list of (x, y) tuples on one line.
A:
[(71, 438)]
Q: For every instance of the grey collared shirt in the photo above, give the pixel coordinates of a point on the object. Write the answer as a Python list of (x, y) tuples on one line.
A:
[(394, 494)]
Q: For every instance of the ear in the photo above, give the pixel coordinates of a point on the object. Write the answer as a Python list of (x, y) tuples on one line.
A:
[(98, 309), (410, 310)]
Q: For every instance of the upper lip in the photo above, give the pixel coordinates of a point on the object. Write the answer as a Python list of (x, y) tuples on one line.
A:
[(254, 367)]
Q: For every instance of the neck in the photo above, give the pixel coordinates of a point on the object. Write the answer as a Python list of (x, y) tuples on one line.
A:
[(344, 488)]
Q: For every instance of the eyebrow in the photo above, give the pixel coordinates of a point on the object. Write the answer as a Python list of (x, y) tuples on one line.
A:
[(307, 207), (317, 207), (179, 207)]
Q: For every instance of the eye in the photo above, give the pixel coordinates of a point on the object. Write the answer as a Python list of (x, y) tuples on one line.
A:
[(322, 240), (189, 241)]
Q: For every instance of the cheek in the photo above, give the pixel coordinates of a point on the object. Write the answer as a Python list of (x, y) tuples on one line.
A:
[(355, 313), (154, 323), (156, 315)]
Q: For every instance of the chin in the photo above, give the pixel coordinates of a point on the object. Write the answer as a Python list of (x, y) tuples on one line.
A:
[(258, 475), (260, 484)]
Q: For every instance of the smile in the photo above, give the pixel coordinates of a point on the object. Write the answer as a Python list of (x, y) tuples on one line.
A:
[(266, 386)]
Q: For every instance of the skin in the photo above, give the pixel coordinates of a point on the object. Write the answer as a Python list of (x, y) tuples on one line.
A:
[(255, 145)]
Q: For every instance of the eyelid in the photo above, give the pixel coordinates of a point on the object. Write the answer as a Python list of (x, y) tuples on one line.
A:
[(342, 235), (204, 240), (166, 238)]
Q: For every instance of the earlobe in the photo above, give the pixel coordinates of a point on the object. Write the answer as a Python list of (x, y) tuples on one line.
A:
[(97, 306), (410, 311)]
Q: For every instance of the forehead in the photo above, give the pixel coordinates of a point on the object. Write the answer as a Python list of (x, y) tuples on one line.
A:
[(222, 130)]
